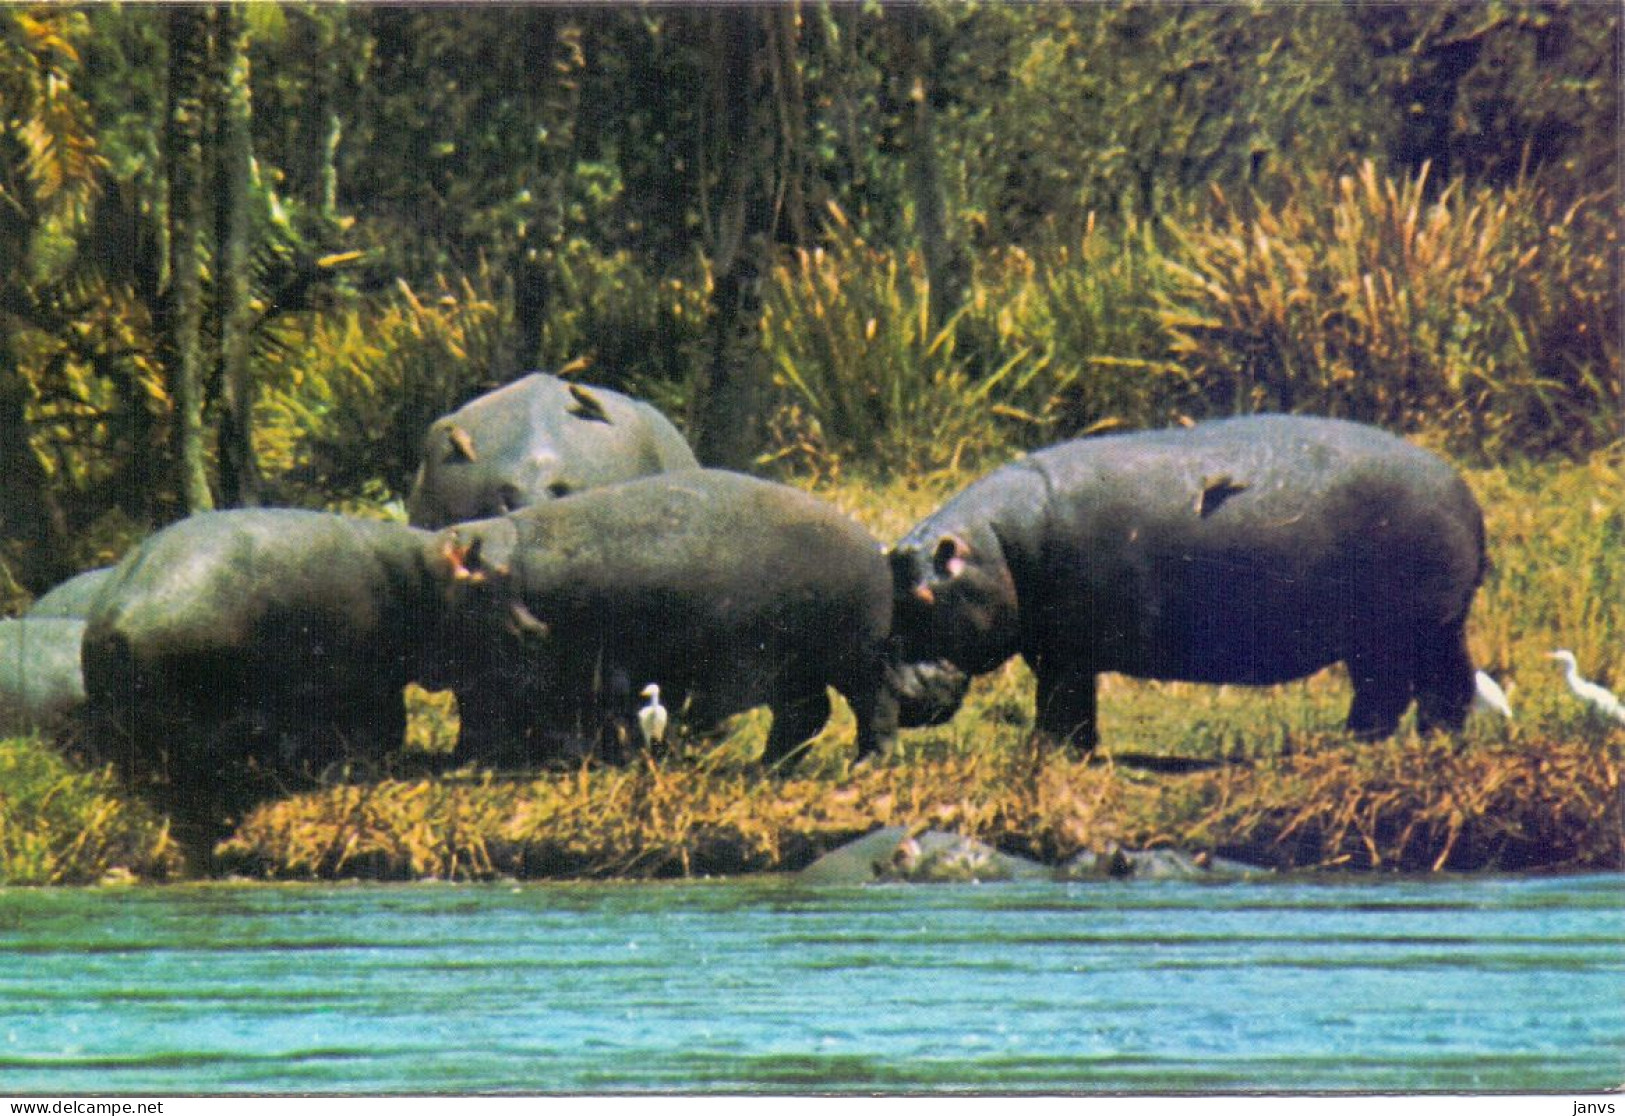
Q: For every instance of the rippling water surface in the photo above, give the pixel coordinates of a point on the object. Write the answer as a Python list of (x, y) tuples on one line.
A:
[(1460, 985)]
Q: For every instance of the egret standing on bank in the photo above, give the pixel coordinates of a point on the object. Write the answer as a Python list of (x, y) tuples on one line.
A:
[(652, 717), (1592, 694), (1488, 696)]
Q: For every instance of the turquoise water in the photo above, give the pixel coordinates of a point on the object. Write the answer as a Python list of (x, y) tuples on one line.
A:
[(1457, 985)]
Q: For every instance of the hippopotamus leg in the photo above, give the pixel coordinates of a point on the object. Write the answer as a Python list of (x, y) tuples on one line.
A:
[(368, 730), (1444, 679), (493, 727), (1382, 677), (796, 720), (1065, 713), (877, 709)]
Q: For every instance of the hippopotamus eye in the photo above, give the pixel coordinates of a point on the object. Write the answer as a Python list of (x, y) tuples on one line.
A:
[(559, 488)]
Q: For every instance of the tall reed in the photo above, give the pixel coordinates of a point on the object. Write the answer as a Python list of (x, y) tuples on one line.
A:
[(1484, 314)]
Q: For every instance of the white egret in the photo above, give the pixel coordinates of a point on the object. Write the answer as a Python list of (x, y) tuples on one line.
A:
[(652, 717), (1592, 694), (1488, 696)]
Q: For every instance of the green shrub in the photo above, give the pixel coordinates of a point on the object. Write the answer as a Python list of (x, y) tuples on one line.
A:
[(1041, 348), (1485, 314), (353, 391)]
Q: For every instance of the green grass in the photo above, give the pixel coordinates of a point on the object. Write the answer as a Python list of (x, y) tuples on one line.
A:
[(1292, 791)]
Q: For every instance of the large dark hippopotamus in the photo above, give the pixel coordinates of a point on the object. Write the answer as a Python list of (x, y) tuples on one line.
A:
[(73, 598), (239, 653), (41, 687), (1246, 550), (536, 439), (726, 591)]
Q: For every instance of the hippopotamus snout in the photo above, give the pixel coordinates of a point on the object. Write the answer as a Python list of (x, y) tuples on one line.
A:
[(927, 693)]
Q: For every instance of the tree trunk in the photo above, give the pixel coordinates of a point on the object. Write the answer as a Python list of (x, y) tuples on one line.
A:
[(744, 155), (535, 256), (239, 468), (944, 262), (28, 514), (183, 317)]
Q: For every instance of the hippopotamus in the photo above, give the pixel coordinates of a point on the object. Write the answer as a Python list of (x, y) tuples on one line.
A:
[(41, 687), (536, 439), (238, 653), (726, 591), (1247, 550), (73, 598)]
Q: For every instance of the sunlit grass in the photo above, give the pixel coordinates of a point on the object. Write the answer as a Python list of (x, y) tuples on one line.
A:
[(62, 825)]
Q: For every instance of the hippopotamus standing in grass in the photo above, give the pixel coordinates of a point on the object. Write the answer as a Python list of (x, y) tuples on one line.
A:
[(41, 687), (1246, 550), (536, 439), (236, 654), (726, 591), (73, 598)]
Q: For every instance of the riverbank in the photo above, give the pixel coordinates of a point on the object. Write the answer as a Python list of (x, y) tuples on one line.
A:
[(1411, 805), (1258, 775)]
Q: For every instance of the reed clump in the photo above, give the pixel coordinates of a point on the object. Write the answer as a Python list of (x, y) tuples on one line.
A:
[(1485, 315)]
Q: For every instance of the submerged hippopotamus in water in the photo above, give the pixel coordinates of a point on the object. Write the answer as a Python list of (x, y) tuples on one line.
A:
[(534, 440), (239, 654), (1246, 550), (726, 591)]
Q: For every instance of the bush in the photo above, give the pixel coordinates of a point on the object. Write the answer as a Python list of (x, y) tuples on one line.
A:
[(354, 391), (1042, 346), (1486, 315)]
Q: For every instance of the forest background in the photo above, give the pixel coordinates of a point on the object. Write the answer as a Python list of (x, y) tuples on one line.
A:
[(249, 251)]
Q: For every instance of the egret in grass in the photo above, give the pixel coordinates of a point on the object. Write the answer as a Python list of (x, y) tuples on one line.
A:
[(1595, 696), (1489, 697), (652, 717)]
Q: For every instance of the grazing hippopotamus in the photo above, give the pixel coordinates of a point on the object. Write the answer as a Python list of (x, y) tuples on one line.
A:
[(536, 439), (238, 653), (41, 687), (726, 591), (1246, 550), (73, 598)]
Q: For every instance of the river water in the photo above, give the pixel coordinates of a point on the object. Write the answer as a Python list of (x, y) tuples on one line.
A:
[(1468, 984)]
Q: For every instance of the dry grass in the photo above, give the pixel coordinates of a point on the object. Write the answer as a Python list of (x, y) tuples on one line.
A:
[(1407, 805)]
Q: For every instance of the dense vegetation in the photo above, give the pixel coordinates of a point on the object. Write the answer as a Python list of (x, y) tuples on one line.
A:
[(248, 251)]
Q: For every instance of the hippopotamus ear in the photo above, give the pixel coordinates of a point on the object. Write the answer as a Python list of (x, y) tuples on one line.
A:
[(949, 558), (462, 442)]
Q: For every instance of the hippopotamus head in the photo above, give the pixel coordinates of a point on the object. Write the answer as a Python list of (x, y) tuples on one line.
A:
[(535, 440), (487, 630), (927, 693), (953, 599)]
